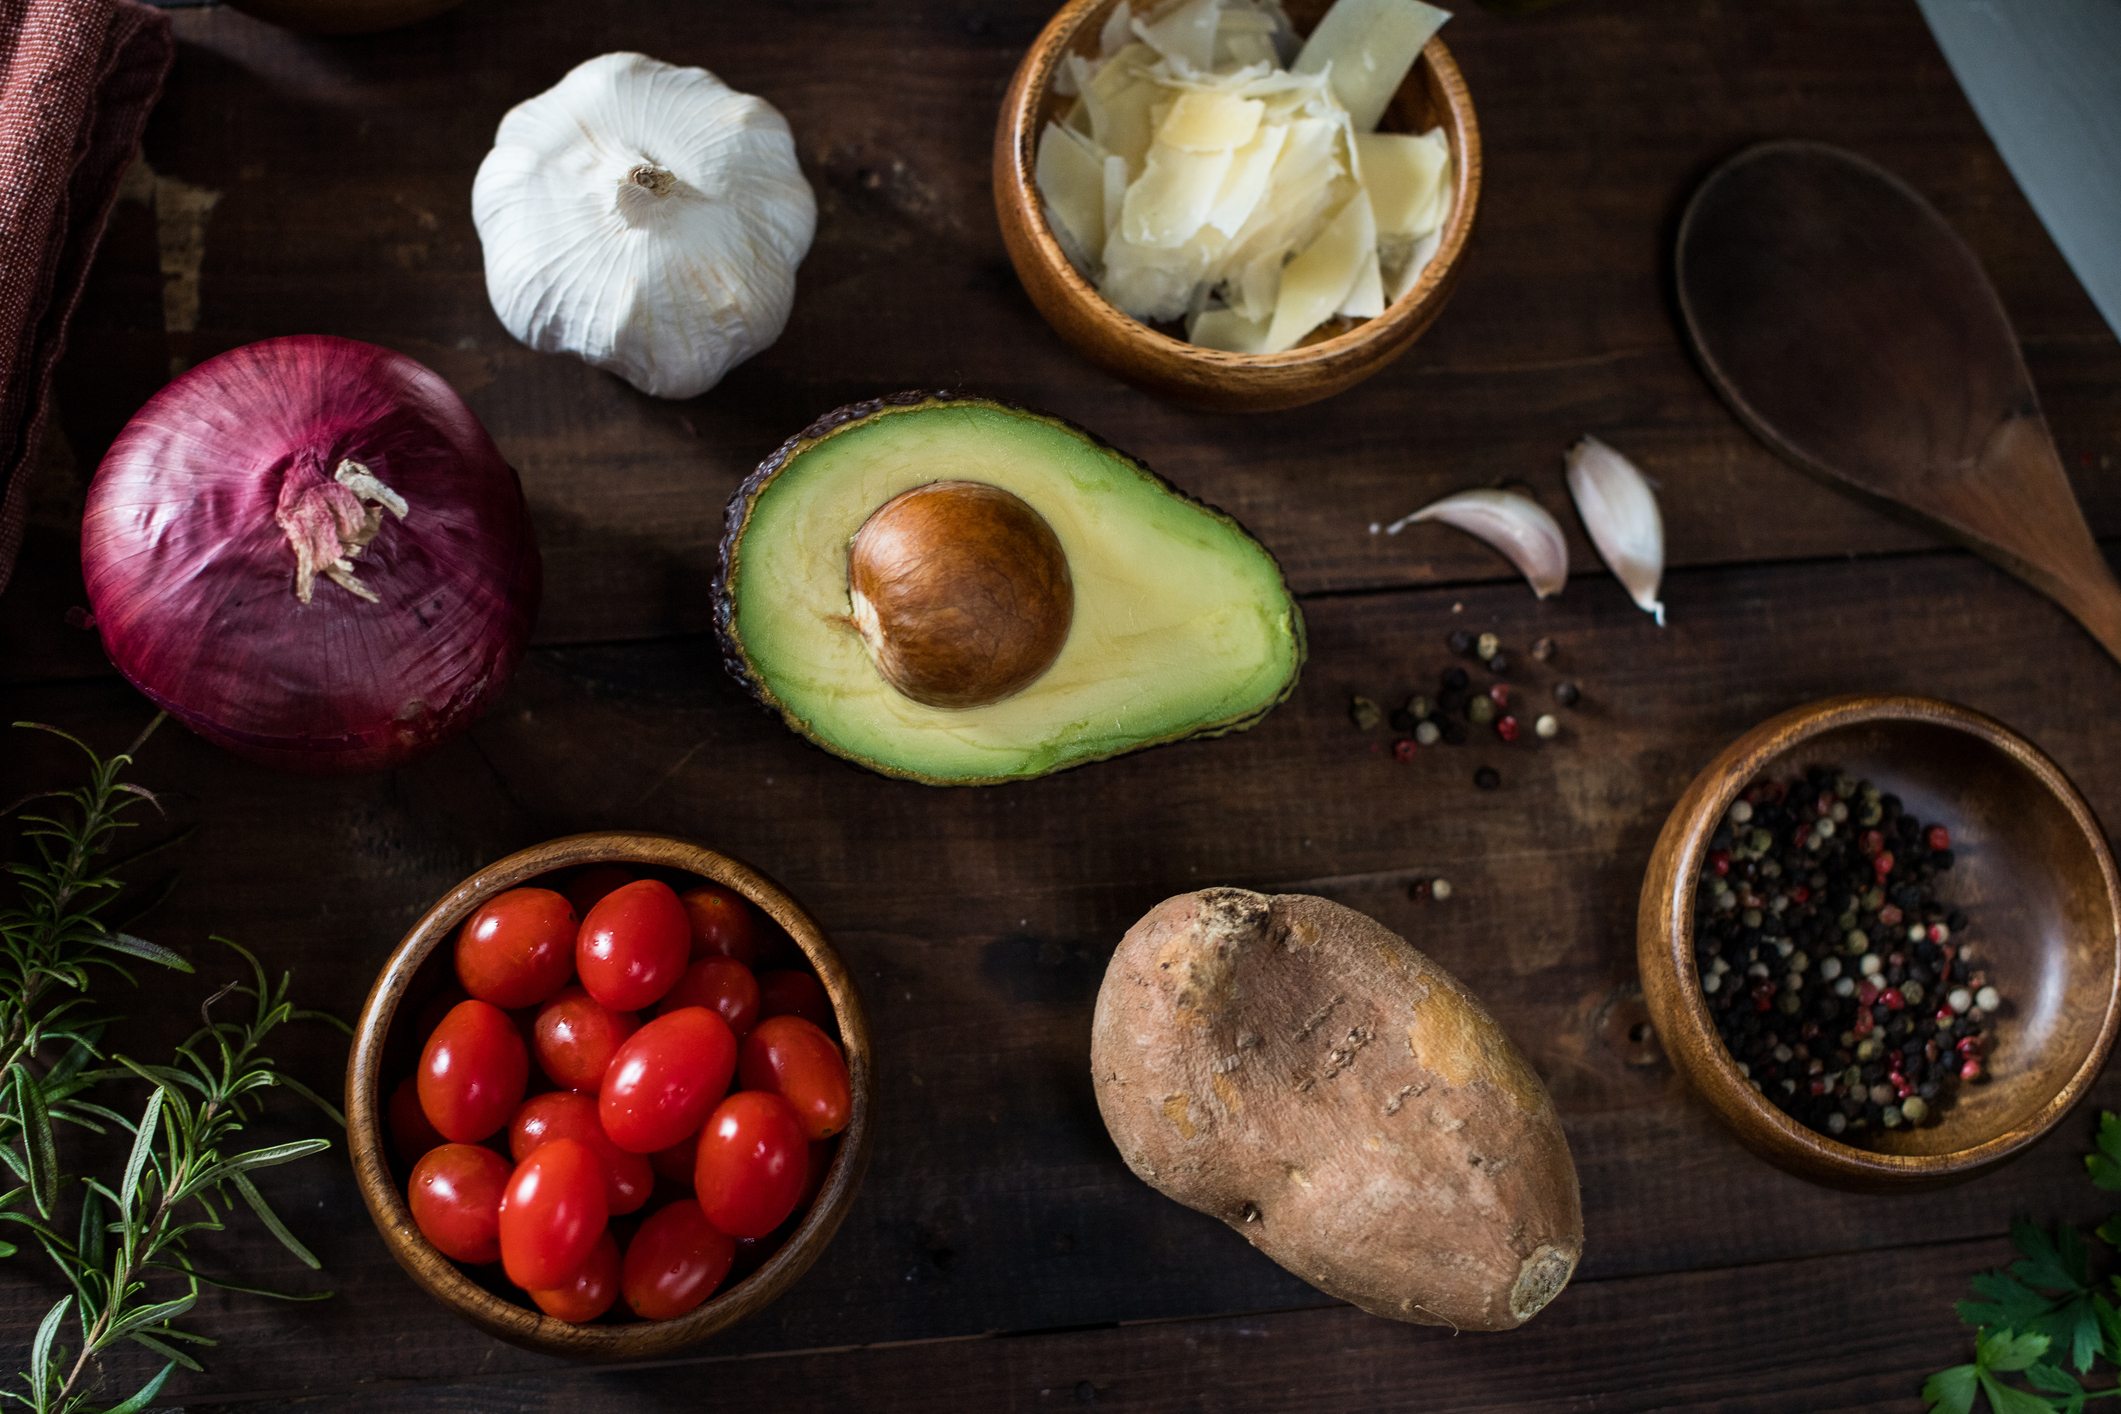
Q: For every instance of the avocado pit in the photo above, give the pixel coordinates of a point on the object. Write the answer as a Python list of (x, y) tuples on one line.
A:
[(961, 592)]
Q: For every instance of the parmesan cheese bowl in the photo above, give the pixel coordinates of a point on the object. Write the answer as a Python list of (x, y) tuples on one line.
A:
[(1158, 357)]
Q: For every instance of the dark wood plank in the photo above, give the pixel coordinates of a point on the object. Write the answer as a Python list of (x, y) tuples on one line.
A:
[(978, 923), (343, 172), (1837, 1335)]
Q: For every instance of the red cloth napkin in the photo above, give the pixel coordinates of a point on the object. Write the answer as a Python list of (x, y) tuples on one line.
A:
[(77, 78)]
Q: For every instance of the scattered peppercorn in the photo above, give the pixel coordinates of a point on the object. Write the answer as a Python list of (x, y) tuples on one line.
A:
[(1506, 727), (1439, 889), (1838, 982), (1480, 711), (1567, 693), (1547, 726), (1487, 646), (1500, 663), (1487, 778), (1455, 679), (1403, 749), (1364, 713), (1427, 733), (1459, 641), (1543, 649)]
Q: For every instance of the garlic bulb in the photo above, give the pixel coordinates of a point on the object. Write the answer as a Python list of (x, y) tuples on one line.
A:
[(647, 218)]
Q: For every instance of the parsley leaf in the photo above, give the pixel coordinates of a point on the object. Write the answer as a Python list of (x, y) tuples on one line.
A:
[(1950, 1391), (2105, 1165)]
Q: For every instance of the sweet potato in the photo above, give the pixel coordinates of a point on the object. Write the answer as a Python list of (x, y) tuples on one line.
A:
[(1301, 1072)]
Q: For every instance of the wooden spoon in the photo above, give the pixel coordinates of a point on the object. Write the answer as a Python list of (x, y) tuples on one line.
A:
[(1856, 334)]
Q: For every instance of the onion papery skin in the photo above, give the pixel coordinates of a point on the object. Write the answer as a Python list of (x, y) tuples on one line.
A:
[(191, 579)]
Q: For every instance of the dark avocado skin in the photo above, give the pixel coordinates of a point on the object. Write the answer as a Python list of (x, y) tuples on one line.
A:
[(738, 513)]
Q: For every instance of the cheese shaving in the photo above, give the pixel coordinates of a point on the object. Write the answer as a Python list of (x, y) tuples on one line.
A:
[(1213, 170)]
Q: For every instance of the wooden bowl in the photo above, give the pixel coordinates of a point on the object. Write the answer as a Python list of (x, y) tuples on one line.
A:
[(2032, 869), (382, 1055), (1433, 95)]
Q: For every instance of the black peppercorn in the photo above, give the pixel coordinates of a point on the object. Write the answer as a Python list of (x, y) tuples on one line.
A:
[(1487, 778), (1455, 679), (1567, 693), (1459, 642)]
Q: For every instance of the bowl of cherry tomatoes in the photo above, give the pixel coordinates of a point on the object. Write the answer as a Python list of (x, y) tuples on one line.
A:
[(610, 1095)]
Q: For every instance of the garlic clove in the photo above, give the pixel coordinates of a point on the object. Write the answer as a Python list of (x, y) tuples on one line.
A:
[(1513, 523), (1619, 510)]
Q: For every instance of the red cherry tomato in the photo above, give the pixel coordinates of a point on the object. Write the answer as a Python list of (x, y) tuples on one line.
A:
[(518, 948), (410, 1133), (472, 1072), (791, 993), (455, 1197), (752, 1164), (563, 1114), (723, 986), (589, 1293), (723, 924), (551, 1215), (575, 1037), (802, 1065), (633, 945), (674, 1262), (666, 1078), (586, 887), (674, 1164)]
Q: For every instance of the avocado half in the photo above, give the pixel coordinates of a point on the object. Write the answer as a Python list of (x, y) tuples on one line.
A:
[(1182, 624)]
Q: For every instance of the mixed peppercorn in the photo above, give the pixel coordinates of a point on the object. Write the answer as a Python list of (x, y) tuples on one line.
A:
[(1449, 715), (1845, 991)]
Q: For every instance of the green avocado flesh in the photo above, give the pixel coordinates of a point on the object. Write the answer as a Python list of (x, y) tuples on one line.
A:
[(1182, 625)]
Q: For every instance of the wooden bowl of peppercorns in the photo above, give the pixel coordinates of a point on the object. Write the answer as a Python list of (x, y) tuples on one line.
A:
[(1881, 937)]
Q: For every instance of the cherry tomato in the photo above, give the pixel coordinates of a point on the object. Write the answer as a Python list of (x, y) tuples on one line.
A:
[(791, 993), (551, 1215), (588, 885), (575, 1037), (752, 1164), (473, 1072), (455, 1197), (674, 1262), (674, 1164), (802, 1065), (563, 1114), (723, 986), (633, 945), (410, 1133), (723, 924), (589, 1293), (518, 948), (666, 1078)]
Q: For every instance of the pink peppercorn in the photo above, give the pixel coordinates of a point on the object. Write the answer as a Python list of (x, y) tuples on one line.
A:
[(1938, 837), (1869, 843), (1800, 894), (1892, 999), (1971, 1070), (1867, 992), (1890, 915), (1938, 932), (1499, 694), (1404, 749), (1883, 863), (1720, 861), (1506, 727)]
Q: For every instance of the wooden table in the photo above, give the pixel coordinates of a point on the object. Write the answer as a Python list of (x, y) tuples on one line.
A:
[(1000, 1256)]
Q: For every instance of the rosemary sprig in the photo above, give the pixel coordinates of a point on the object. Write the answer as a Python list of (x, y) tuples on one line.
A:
[(129, 1262), (53, 939)]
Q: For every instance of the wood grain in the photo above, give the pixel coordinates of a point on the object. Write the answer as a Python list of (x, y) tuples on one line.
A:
[(1434, 95), (1720, 1340), (344, 170), (1848, 325), (2032, 866), (382, 1052), (978, 922)]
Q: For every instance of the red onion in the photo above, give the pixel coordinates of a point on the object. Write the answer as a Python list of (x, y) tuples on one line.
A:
[(309, 551)]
